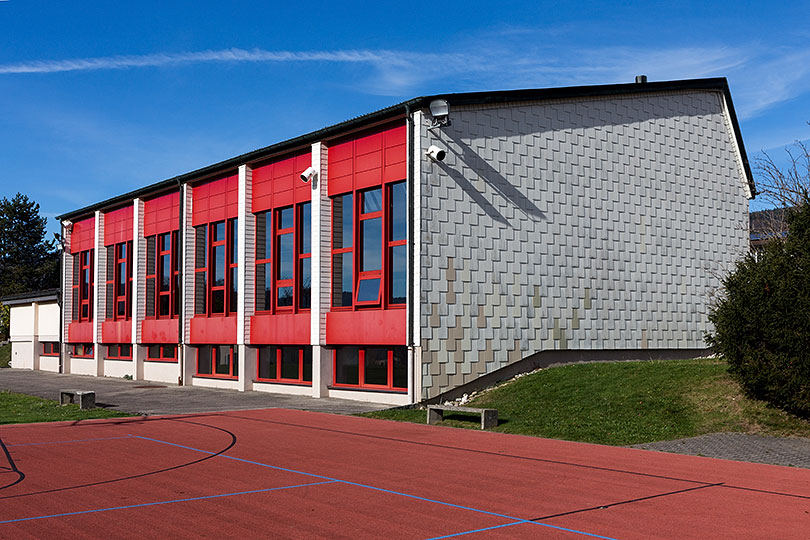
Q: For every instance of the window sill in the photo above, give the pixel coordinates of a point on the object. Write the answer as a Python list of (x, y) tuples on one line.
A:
[(283, 383), (162, 361), (368, 389)]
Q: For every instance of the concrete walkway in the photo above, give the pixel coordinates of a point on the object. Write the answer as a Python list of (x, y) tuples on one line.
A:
[(164, 398)]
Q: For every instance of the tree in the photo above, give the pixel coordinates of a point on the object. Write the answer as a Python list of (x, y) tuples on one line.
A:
[(28, 262)]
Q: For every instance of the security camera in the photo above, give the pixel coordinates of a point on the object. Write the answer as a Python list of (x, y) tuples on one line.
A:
[(69, 226), (435, 153), (308, 175)]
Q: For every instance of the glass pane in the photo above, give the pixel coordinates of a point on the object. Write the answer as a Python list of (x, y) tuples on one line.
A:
[(165, 243), (376, 366), (86, 283), (308, 364), (235, 355), (305, 298), (218, 301), (289, 363), (268, 235), (122, 251), (372, 200), (371, 241), (219, 232), (234, 292), (201, 258), (85, 311), (343, 222), (125, 350), (267, 363), (234, 241), (347, 365), (368, 290), (165, 272), (342, 279), (223, 365), (200, 293), (204, 360), (399, 211), (285, 296), (122, 308), (112, 351), (268, 288), (398, 274), (153, 351), (165, 300), (400, 367), (285, 218), (168, 351), (306, 222), (285, 256), (122, 278), (219, 266)]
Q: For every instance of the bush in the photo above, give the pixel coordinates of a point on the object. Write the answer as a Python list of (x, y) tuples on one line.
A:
[(762, 321)]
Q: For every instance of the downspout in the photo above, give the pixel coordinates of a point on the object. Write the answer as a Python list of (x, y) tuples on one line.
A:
[(181, 315), (411, 243), (60, 292)]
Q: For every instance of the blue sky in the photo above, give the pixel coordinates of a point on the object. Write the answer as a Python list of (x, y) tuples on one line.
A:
[(98, 98)]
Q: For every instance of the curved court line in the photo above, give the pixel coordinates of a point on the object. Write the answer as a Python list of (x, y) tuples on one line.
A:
[(132, 477), (14, 469), (383, 490), (157, 503)]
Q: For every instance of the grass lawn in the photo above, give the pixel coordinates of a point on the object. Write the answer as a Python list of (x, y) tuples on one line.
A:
[(20, 409), (623, 403), (5, 355)]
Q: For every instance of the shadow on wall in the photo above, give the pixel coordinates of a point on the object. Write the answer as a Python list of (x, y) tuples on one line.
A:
[(490, 175)]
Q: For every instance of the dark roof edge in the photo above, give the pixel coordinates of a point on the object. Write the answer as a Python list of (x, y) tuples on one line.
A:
[(398, 110), (31, 296)]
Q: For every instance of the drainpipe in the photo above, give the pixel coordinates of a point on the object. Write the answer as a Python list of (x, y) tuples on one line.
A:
[(59, 293), (410, 257), (181, 315)]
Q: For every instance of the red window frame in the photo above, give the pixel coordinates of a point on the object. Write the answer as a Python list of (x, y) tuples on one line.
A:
[(81, 350), (278, 351), (122, 289), (229, 288), (215, 351), (385, 273), (158, 353), (84, 289), (119, 351), (361, 368), (174, 273), (50, 348), (300, 231), (344, 249)]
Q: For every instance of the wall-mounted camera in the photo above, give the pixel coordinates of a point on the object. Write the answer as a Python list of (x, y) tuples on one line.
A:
[(308, 175), (435, 153)]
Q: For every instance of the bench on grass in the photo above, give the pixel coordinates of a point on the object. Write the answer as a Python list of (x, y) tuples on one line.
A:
[(85, 399), (489, 417)]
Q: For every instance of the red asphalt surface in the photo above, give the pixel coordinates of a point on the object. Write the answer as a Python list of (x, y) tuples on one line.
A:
[(289, 474)]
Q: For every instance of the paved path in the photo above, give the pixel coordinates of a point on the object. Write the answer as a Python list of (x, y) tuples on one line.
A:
[(165, 398)]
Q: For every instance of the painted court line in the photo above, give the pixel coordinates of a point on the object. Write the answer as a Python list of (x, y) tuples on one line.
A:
[(71, 441), (402, 494), (96, 510)]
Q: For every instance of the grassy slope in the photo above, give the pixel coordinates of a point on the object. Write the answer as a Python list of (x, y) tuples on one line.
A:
[(5, 355), (624, 403), (19, 409)]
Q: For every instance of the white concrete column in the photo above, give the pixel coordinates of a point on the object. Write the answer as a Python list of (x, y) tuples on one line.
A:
[(319, 263), (413, 305), (138, 286), (187, 364), (244, 241), (35, 338), (67, 296), (99, 291)]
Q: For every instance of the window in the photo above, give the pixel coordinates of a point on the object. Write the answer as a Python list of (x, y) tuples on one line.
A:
[(82, 350), (119, 281), (50, 348), (162, 276), (283, 255), (83, 286), (215, 268), (161, 353), (377, 226), (289, 364), (218, 361), (371, 367), (121, 351)]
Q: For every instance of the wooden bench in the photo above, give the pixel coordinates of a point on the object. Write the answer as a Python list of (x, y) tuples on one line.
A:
[(85, 399), (489, 417)]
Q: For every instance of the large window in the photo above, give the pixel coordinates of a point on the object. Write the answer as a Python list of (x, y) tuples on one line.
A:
[(215, 268), (218, 361), (288, 364), (283, 255), (162, 276), (121, 351), (119, 281), (83, 286), (371, 367), (369, 232)]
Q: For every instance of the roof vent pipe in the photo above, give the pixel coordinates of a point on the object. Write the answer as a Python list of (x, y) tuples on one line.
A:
[(641, 79)]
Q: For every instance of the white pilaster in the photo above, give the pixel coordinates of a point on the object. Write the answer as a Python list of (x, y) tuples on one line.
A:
[(188, 359), (138, 285), (244, 381), (99, 262), (414, 263), (321, 287)]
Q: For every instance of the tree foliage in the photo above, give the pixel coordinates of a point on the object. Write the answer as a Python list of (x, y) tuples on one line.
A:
[(28, 261)]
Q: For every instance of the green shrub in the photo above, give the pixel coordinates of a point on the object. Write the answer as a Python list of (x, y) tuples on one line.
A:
[(762, 320)]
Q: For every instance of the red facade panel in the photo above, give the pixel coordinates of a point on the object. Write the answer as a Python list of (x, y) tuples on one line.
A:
[(80, 332), (118, 226), (278, 183), (213, 330), (215, 200), (368, 159), (159, 331), (83, 236), (370, 327), (116, 332), (161, 214), (284, 329)]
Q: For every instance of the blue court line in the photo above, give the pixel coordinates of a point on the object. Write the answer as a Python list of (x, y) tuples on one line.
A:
[(478, 530), (330, 479), (162, 502), (72, 441)]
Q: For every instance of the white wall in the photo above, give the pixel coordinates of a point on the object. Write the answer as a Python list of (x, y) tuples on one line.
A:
[(22, 325), (48, 321)]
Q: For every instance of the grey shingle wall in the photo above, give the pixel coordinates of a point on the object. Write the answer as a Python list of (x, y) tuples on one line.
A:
[(591, 224)]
